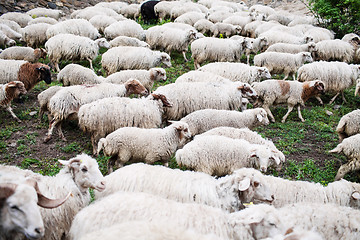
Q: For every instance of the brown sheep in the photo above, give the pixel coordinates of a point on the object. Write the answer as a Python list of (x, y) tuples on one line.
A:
[(32, 73), (8, 92)]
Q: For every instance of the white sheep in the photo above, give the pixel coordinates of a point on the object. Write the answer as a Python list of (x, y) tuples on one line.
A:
[(127, 41), (5, 41), (145, 77), (258, 45), (183, 8), (69, 47), (131, 11), (250, 28), (204, 26), (188, 97), (282, 63), (75, 74), (23, 53), (124, 58), (44, 99), (203, 120), (349, 125), (9, 70), (89, 12), (228, 192), (350, 147), (132, 144), (8, 92), (78, 175), (12, 24), (199, 76), (237, 71), (219, 155), (218, 16), (262, 9), (292, 48), (67, 101), (337, 76), (116, 6), (283, 37), (225, 29), (190, 17), (100, 22), (128, 28), (47, 20), (79, 27), (35, 35), (290, 92), (10, 32), (334, 50), (163, 9), (215, 49), (181, 26), (300, 20), (104, 116), (319, 34), (45, 12), (21, 18)]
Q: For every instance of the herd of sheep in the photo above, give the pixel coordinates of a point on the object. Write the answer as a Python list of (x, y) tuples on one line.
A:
[(202, 119)]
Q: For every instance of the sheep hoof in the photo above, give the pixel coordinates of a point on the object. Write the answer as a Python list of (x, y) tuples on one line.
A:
[(47, 139), (282, 121), (18, 120)]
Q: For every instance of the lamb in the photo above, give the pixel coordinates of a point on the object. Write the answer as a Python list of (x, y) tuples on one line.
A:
[(45, 12), (146, 207), (127, 41), (199, 76), (292, 48), (44, 99), (349, 125), (77, 175), (67, 101), (128, 28), (47, 20), (74, 74), (203, 120), (227, 193), (215, 49), (291, 92), (225, 29), (10, 33), (237, 71), (132, 144), (23, 53), (35, 35), (334, 50), (190, 17), (5, 41), (69, 47), (219, 155), (79, 27), (104, 116), (21, 18), (282, 63), (350, 147), (258, 45), (126, 58), (188, 97), (145, 77), (337, 76), (204, 26), (8, 92)]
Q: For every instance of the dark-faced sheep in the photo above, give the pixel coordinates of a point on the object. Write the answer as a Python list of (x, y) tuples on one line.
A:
[(8, 92)]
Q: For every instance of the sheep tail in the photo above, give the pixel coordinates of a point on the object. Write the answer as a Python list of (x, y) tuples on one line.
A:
[(101, 145)]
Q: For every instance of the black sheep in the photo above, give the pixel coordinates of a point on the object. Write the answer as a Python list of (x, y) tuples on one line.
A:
[(147, 11)]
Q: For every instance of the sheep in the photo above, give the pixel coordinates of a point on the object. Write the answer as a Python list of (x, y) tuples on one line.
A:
[(147, 11), (319, 34), (146, 207), (280, 18), (21, 18), (127, 41), (263, 27), (239, 20), (204, 26), (10, 33), (292, 48), (23, 53), (89, 12), (130, 11), (12, 24), (77, 175), (282, 63), (248, 135), (5, 41), (262, 9), (291, 92), (218, 16), (227, 193), (181, 9), (145, 77), (182, 26), (299, 20), (116, 6), (203, 120), (283, 37), (349, 125), (68, 46), (132, 144), (47, 20), (199, 76), (258, 45), (163, 9), (337, 76), (170, 39), (350, 147), (45, 12), (74, 74), (35, 35), (44, 98), (126, 58), (215, 49), (249, 28), (9, 70), (190, 18), (67, 101), (188, 97), (100, 22), (334, 50), (128, 28), (79, 27), (32, 73), (219, 155), (8, 92), (225, 29), (104, 116)]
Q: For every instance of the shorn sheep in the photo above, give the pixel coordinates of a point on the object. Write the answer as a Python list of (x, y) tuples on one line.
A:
[(23, 53), (203, 120), (349, 125), (132, 144), (188, 97), (350, 147), (219, 155), (292, 93), (8, 92), (104, 116), (237, 71), (67, 101), (228, 192), (337, 76), (77, 175), (75, 74), (126, 58), (72, 47), (282, 63)]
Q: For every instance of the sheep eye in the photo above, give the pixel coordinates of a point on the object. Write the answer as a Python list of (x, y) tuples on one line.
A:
[(272, 224), (15, 208), (84, 169)]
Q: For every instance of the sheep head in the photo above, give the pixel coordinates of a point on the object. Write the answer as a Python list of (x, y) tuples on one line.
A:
[(247, 91), (165, 59), (102, 42), (45, 73), (163, 99), (15, 88), (158, 74), (133, 86), (182, 129), (264, 157)]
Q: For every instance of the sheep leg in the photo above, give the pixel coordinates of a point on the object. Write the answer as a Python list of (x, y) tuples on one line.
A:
[(299, 114), (294, 78), (91, 65), (9, 109), (267, 109), (94, 141), (111, 163), (333, 99), (286, 75), (52, 125), (343, 97), (186, 60), (60, 132), (57, 66), (41, 114), (248, 59), (352, 165), (290, 108), (319, 99)]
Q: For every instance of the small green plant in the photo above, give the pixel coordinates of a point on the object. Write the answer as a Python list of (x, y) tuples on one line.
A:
[(72, 147)]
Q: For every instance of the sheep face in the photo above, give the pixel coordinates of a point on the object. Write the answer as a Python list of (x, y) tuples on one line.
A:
[(264, 156), (103, 43), (158, 74), (86, 172), (262, 117), (248, 92), (17, 88), (10, 42), (165, 59), (133, 86), (45, 74), (306, 56), (264, 73)]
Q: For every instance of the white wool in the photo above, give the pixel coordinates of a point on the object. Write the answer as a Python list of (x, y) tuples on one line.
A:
[(44, 98), (9, 70), (334, 50), (79, 27), (129, 28), (35, 35), (45, 12), (127, 41), (47, 20), (292, 48), (349, 124), (75, 74), (21, 18), (199, 76)]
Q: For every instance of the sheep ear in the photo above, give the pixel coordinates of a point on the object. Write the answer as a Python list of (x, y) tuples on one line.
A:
[(244, 184), (11, 84), (71, 163), (7, 189), (259, 117), (355, 195)]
